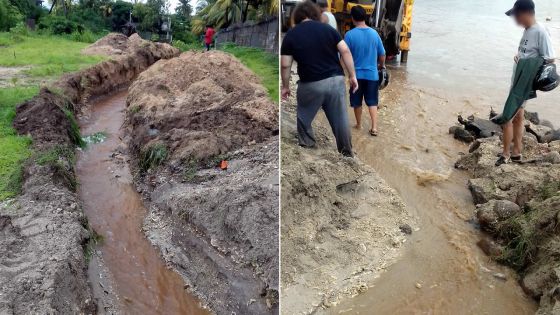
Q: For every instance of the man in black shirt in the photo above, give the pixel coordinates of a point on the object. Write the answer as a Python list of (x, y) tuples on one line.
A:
[(316, 47)]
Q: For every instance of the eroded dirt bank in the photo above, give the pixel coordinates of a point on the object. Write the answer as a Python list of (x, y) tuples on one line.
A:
[(44, 233), (218, 228), (342, 225), (519, 205)]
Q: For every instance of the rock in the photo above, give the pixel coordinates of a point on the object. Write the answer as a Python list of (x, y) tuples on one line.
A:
[(490, 247), (494, 212), (406, 229), (500, 276), (533, 117), (552, 157), (554, 145), (481, 188), (452, 129), (480, 128), (418, 285), (463, 135), (540, 131), (547, 123)]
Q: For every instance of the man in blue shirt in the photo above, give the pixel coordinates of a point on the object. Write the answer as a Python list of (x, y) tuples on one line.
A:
[(368, 53)]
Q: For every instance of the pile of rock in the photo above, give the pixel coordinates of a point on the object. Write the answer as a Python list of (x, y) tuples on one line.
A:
[(519, 205)]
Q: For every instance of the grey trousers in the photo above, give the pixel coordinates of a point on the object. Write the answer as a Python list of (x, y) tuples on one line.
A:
[(329, 94)]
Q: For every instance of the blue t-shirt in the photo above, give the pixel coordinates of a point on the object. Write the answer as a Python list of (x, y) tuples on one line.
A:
[(365, 45)]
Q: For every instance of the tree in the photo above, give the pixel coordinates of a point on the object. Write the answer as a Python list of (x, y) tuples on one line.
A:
[(120, 14), (9, 15), (184, 9)]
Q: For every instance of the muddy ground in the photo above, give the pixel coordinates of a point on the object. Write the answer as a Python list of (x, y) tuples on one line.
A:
[(519, 205), (44, 234), (218, 228), (342, 225)]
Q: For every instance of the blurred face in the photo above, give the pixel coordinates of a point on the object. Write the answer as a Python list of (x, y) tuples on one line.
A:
[(524, 19)]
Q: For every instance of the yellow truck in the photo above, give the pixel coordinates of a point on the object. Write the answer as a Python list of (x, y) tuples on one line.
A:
[(391, 18)]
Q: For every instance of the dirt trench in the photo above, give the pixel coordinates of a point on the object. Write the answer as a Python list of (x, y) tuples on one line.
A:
[(44, 234), (185, 116)]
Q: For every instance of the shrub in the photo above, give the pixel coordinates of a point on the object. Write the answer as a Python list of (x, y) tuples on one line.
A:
[(9, 15), (86, 36), (59, 25)]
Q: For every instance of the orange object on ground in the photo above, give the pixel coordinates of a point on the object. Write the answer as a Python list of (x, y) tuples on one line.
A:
[(223, 165)]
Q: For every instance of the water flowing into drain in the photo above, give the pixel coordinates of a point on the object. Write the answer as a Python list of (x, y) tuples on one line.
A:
[(143, 283)]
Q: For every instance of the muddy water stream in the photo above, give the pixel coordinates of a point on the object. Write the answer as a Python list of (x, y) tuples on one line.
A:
[(461, 62), (115, 210)]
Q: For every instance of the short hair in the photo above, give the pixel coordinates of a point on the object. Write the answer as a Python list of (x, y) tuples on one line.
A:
[(358, 13), (306, 10), (208, 25), (322, 3)]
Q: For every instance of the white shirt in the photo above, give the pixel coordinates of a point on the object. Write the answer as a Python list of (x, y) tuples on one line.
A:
[(332, 19), (536, 42)]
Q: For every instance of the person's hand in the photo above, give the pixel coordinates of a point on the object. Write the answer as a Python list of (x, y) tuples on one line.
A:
[(353, 84), (516, 58), (285, 92)]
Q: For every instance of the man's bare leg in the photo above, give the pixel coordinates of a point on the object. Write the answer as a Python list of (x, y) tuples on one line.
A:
[(358, 114), (518, 131), (373, 116), (507, 137)]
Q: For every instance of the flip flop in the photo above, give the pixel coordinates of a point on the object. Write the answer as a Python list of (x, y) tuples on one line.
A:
[(373, 132)]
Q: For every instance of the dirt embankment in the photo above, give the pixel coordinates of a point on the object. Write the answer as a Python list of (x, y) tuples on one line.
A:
[(342, 225), (44, 234), (217, 228), (519, 205)]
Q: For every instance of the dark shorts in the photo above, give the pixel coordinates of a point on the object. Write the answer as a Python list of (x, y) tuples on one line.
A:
[(367, 90)]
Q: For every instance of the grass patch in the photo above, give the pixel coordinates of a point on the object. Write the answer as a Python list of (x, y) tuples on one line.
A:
[(263, 64), (152, 156), (14, 149), (61, 159), (548, 190), (75, 135), (93, 241), (47, 54)]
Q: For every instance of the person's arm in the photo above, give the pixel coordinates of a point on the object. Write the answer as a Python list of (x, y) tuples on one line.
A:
[(348, 61), (545, 47), (285, 72), (324, 18), (380, 53)]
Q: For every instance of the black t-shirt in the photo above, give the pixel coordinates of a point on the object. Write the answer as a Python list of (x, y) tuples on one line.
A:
[(313, 46)]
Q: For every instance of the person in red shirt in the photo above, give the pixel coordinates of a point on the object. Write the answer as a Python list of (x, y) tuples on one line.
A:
[(209, 36)]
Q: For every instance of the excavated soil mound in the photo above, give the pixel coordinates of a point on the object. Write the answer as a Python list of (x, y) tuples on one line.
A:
[(342, 225), (113, 44), (217, 228), (519, 204), (43, 232)]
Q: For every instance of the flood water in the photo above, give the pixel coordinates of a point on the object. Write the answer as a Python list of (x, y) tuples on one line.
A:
[(143, 283), (460, 62)]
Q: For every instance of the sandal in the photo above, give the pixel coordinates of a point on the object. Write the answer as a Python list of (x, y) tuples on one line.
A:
[(373, 132)]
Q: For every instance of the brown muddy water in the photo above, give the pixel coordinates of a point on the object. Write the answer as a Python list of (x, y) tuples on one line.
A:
[(460, 62), (143, 283)]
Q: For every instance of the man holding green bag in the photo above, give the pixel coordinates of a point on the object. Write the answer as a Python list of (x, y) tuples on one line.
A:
[(535, 49)]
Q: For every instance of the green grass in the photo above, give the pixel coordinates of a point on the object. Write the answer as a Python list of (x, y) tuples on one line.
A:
[(13, 148), (48, 55), (152, 156), (263, 64)]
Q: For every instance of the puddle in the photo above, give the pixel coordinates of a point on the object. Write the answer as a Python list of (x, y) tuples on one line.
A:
[(142, 282)]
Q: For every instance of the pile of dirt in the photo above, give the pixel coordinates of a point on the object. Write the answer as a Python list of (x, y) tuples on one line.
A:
[(342, 225), (519, 204), (217, 228), (44, 235), (113, 44)]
